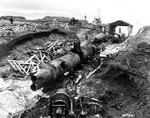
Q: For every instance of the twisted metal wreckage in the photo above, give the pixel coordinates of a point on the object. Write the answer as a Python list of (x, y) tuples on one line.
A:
[(60, 100), (61, 104)]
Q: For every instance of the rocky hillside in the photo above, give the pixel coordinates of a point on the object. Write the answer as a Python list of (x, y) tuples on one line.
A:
[(55, 18)]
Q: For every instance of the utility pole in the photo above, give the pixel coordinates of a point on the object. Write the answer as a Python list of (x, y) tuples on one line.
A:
[(98, 13)]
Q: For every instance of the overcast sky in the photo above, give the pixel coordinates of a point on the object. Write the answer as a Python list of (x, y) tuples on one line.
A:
[(132, 11)]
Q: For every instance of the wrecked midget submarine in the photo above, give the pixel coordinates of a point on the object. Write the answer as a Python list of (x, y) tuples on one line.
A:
[(57, 67)]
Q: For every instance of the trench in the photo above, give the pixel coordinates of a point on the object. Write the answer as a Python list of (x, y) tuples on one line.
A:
[(121, 89), (5, 48)]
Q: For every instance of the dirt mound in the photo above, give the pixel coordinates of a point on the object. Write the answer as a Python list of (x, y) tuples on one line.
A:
[(142, 36), (128, 75), (137, 59)]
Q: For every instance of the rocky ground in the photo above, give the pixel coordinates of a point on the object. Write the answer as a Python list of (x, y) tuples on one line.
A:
[(121, 84)]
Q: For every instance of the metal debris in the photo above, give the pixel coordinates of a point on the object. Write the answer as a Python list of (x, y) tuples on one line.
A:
[(29, 66)]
